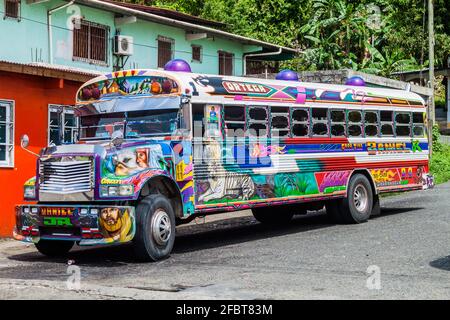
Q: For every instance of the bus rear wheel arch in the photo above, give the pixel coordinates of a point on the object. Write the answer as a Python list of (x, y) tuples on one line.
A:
[(358, 205)]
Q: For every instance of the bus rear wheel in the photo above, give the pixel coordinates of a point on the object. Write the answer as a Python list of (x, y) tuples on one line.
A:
[(155, 228), (357, 206), (277, 215), (54, 248)]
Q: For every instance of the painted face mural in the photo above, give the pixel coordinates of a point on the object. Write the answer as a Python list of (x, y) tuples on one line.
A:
[(130, 161), (142, 157), (115, 224)]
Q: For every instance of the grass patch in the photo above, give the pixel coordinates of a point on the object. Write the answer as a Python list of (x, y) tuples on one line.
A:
[(440, 159)]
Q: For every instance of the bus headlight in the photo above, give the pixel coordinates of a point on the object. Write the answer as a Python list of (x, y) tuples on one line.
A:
[(126, 190), (29, 192), (117, 191)]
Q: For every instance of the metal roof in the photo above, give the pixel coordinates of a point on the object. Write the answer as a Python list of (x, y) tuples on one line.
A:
[(188, 26)]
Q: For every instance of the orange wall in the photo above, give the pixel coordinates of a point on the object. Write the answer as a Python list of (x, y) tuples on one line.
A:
[(31, 96)]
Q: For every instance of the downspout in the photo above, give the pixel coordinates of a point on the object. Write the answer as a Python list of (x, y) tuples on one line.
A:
[(49, 27), (259, 55)]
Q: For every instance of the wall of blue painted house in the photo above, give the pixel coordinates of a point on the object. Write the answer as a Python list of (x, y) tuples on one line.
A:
[(27, 40)]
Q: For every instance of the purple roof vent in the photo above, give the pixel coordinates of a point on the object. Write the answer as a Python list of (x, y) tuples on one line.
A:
[(177, 65), (355, 81), (287, 75)]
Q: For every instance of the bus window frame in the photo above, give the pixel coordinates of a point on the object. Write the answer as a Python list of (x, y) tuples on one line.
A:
[(288, 114), (307, 122), (377, 123), (326, 122), (351, 123), (343, 123), (409, 125), (391, 122), (419, 124), (249, 121)]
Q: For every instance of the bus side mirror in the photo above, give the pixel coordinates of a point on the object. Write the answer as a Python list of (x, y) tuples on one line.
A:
[(117, 138), (24, 141)]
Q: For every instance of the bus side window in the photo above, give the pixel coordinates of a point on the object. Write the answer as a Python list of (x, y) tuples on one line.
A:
[(319, 122), (354, 119), (279, 124), (234, 118), (212, 121), (257, 121), (402, 124), (337, 118), (371, 123), (300, 122), (418, 125), (386, 120)]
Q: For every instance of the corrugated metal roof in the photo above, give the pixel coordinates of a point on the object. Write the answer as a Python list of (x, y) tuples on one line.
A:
[(42, 69), (195, 27), (169, 14)]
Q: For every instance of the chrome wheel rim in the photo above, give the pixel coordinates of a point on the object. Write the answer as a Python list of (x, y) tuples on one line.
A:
[(360, 198), (161, 227)]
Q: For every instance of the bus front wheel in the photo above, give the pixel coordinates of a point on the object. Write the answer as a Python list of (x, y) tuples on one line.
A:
[(155, 228), (357, 206)]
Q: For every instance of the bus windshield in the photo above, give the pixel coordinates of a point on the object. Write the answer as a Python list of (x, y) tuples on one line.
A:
[(133, 124)]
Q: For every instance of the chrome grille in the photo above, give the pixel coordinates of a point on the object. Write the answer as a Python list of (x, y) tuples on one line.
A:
[(66, 176)]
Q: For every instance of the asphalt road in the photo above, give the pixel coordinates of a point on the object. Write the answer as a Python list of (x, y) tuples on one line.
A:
[(402, 254)]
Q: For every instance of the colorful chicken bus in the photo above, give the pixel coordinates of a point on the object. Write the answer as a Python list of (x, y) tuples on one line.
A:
[(159, 148)]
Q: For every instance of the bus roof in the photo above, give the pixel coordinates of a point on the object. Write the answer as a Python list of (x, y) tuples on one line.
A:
[(208, 88)]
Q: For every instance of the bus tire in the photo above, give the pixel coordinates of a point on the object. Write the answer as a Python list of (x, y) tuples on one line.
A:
[(357, 206), (54, 248), (277, 215), (155, 228)]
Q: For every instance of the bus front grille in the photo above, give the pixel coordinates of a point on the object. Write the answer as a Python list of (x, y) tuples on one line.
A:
[(66, 177)]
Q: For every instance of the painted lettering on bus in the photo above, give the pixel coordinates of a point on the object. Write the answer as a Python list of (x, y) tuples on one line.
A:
[(57, 221), (386, 146), (56, 212), (236, 87)]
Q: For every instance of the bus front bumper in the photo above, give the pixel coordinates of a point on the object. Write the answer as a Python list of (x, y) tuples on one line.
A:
[(86, 224)]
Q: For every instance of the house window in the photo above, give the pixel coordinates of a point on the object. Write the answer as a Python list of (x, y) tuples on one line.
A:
[(90, 42), (226, 63), (6, 134), (62, 125), (165, 51), (196, 53), (12, 9)]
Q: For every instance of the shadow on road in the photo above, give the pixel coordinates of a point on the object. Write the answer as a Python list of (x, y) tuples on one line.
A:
[(198, 237), (441, 263), (393, 211)]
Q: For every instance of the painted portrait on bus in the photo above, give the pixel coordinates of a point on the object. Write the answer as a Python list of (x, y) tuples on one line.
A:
[(116, 224)]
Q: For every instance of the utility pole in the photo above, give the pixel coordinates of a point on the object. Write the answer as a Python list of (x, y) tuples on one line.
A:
[(431, 113)]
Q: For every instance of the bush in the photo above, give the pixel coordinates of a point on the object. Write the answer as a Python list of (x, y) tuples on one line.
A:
[(440, 159)]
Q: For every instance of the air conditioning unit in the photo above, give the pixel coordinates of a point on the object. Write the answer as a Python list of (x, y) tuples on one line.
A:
[(123, 45)]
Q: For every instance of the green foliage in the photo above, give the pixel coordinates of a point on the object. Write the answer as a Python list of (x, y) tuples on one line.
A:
[(294, 184), (376, 36), (440, 160)]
